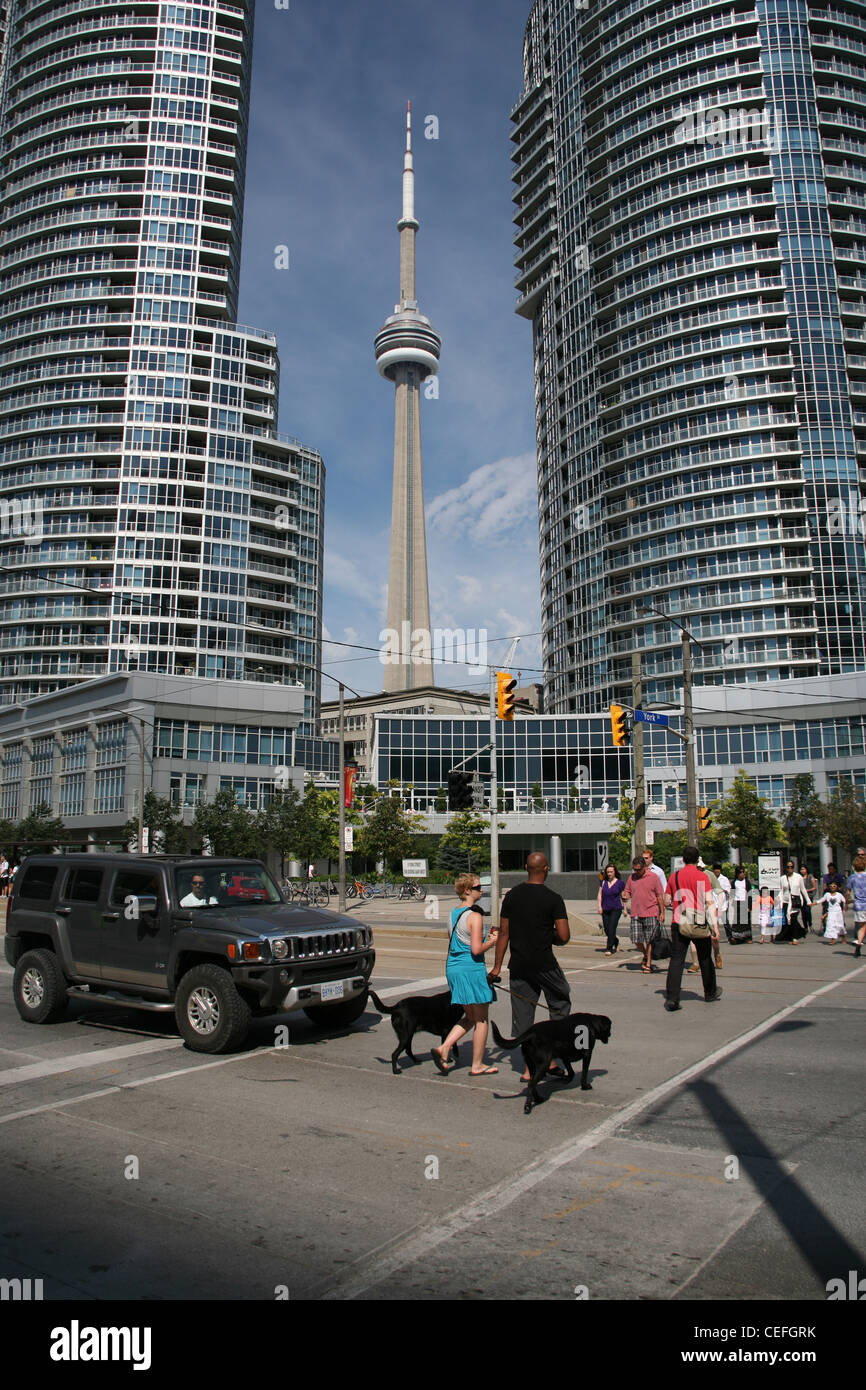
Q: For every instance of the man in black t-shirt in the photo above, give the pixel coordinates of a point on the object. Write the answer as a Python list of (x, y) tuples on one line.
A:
[(532, 919)]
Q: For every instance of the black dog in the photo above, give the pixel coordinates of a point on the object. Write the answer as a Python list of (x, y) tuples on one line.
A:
[(432, 1013), (567, 1038)]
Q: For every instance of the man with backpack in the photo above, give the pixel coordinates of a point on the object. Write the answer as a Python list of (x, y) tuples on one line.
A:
[(690, 892)]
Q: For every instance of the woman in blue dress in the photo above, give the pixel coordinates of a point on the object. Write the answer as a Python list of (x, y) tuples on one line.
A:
[(467, 976)]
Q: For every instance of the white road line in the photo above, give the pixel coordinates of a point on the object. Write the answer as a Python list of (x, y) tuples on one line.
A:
[(119, 1054), (377, 1265), (124, 1086), (35, 1070), (413, 987)]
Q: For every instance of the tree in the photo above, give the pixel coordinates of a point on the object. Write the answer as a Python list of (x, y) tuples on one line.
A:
[(279, 822), (318, 826), (745, 819), (452, 860), (230, 829), (466, 838), (537, 796), (167, 833), (619, 847), (40, 831), (843, 817), (389, 832), (803, 821), (714, 843), (666, 845)]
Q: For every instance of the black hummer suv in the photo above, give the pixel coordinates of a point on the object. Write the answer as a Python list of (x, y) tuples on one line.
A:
[(212, 939)]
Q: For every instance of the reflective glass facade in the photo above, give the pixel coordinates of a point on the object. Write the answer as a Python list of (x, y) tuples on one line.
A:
[(691, 214), (151, 517), (572, 758)]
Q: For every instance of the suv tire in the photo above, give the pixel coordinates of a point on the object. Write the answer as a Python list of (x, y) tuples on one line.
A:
[(40, 988), (337, 1015), (211, 1015)]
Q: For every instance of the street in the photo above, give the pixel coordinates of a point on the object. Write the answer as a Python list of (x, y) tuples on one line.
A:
[(716, 1157)]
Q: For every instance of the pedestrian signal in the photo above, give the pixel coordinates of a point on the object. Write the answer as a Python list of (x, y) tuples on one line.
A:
[(704, 818), (505, 684), (619, 723)]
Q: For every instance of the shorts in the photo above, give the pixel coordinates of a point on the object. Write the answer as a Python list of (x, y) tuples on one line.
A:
[(644, 930)]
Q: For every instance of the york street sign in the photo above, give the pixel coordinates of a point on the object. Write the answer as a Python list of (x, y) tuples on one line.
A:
[(644, 716)]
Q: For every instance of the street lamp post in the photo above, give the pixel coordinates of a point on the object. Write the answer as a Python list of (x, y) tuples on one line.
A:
[(688, 736), (341, 791), (639, 782), (688, 720), (341, 776)]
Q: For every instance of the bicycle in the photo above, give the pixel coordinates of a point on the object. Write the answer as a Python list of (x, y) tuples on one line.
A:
[(313, 894), (412, 892)]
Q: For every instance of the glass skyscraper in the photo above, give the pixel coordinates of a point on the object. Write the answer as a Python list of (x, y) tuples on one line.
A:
[(151, 517), (691, 214)]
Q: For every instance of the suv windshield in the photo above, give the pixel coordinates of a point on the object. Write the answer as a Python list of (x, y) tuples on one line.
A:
[(224, 885)]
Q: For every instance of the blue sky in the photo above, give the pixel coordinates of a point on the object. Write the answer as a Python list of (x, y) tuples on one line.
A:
[(331, 79)]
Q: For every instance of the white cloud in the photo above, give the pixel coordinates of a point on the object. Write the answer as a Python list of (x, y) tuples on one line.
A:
[(495, 500)]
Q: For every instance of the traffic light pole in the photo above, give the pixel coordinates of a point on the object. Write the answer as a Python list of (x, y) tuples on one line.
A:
[(494, 806), (639, 785)]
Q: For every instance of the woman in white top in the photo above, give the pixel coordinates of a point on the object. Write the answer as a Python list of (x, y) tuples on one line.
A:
[(793, 896)]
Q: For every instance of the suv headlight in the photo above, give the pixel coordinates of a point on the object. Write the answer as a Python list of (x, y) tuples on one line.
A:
[(280, 949)]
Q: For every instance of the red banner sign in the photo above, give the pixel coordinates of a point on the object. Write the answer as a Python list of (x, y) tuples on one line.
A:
[(349, 775)]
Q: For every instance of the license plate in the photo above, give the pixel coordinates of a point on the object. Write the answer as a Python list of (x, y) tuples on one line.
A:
[(334, 991)]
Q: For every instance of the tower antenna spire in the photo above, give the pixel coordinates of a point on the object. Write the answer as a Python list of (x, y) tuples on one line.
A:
[(409, 180), (407, 353)]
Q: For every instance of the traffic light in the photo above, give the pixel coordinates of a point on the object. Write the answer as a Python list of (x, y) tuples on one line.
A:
[(619, 723), (505, 695), (704, 819), (459, 791)]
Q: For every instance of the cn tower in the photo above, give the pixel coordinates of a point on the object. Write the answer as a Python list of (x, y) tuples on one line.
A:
[(407, 353)]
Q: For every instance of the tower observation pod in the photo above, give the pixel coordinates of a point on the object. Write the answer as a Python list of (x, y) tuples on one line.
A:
[(407, 353)]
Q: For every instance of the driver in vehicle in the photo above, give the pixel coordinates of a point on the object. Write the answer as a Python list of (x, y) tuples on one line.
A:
[(198, 897)]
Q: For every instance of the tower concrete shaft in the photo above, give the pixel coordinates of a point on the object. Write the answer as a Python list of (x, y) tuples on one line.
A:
[(407, 353)]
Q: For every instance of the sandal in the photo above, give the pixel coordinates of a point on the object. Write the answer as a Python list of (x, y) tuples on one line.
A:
[(437, 1058), (485, 1071), (646, 969)]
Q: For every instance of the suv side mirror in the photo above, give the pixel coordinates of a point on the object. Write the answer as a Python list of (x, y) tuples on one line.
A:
[(148, 904)]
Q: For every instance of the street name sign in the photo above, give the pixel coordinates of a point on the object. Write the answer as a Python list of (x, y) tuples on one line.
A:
[(645, 716)]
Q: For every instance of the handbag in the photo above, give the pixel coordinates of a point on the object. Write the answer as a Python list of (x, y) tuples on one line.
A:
[(692, 924)]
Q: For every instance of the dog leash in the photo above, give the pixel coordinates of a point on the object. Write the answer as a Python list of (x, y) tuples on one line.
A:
[(494, 984)]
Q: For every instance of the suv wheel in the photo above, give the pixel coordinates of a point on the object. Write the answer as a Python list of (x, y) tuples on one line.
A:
[(337, 1015), (40, 988), (211, 1015)]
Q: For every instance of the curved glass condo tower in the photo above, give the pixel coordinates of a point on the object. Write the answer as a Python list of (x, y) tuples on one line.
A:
[(151, 517), (691, 195)]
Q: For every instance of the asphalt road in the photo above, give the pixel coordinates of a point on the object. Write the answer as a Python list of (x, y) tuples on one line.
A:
[(716, 1158)]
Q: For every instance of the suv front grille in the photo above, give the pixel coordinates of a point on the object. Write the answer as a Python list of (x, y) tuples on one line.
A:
[(332, 943)]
